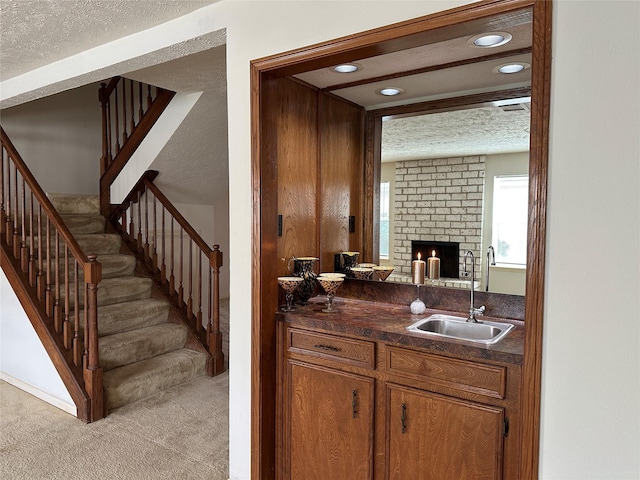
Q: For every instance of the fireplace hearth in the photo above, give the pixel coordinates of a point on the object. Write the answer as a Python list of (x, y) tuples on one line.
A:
[(447, 252)]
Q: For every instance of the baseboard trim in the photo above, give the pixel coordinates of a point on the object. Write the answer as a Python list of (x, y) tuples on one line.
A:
[(42, 395)]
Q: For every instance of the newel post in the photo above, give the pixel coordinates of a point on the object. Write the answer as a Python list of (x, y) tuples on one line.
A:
[(214, 336), (92, 371)]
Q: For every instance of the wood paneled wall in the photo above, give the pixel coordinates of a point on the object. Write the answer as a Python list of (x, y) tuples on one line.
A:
[(296, 150), (341, 178), (317, 152)]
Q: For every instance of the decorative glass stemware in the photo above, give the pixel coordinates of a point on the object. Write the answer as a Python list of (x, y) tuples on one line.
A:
[(383, 272), (289, 285), (330, 285)]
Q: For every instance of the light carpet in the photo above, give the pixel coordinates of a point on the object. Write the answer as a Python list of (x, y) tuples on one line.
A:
[(180, 433)]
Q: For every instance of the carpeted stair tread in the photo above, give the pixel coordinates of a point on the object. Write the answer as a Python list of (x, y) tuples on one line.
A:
[(121, 317), (116, 265), (83, 224), (113, 265), (75, 203), (132, 346), (139, 380), (114, 290), (98, 243)]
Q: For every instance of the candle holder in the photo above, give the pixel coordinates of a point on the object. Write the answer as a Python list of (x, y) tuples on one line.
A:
[(417, 306), (289, 285)]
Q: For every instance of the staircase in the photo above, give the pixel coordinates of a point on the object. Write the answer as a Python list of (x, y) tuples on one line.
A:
[(121, 312), (142, 349)]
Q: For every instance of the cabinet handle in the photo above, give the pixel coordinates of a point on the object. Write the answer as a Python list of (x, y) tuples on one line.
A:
[(326, 347), (354, 403), (403, 417)]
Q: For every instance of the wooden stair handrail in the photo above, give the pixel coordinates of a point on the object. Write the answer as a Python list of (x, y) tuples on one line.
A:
[(212, 337), (50, 210), (27, 276)]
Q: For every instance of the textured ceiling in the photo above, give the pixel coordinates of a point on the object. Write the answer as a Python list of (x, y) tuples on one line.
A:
[(34, 33), (201, 140), (39, 32), (478, 131)]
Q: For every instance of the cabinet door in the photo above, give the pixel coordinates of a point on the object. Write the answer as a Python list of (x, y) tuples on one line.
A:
[(330, 424), (435, 437)]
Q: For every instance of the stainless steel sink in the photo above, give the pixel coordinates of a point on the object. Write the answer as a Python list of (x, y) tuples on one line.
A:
[(458, 327)]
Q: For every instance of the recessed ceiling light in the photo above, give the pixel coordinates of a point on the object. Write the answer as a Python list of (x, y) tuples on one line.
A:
[(389, 91), (508, 68), (490, 39), (346, 68)]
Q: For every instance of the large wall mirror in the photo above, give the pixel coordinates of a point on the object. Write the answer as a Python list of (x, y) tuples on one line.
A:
[(450, 134), (456, 179)]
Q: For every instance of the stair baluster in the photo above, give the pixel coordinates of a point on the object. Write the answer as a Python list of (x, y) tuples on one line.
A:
[(181, 272), (57, 309), (154, 238), (125, 135), (172, 278), (31, 250), (40, 280), (163, 267), (16, 220), (190, 299)]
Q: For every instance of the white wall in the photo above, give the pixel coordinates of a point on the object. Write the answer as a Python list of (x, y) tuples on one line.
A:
[(591, 376), (60, 133), (26, 364)]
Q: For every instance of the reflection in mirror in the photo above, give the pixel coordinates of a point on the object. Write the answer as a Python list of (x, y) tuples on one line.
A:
[(475, 129), (455, 181)]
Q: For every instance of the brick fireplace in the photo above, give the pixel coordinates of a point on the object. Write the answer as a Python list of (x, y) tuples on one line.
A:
[(439, 201)]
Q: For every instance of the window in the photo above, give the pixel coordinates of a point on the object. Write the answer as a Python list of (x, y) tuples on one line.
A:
[(509, 233), (384, 220)]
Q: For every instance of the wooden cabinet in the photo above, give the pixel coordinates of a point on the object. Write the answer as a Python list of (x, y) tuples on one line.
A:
[(435, 437), (330, 433), (353, 408)]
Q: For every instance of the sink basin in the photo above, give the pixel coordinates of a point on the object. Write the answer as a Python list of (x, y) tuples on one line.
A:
[(457, 327)]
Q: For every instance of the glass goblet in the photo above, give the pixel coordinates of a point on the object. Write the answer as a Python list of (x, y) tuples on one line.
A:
[(289, 285), (383, 272), (330, 285)]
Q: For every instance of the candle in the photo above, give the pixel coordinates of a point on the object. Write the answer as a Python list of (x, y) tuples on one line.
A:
[(417, 270), (433, 266)]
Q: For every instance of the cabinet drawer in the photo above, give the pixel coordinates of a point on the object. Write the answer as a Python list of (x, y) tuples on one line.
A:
[(461, 375), (348, 350)]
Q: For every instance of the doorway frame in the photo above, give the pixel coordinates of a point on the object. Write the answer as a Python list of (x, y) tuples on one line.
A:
[(264, 233)]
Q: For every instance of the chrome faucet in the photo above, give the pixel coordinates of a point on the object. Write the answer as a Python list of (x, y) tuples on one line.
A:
[(491, 260), (473, 311)]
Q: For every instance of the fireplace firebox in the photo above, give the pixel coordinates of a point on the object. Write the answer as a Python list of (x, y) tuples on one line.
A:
[(447, 252)]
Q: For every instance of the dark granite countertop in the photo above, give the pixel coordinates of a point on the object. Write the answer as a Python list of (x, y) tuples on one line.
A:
[(387, 322)]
